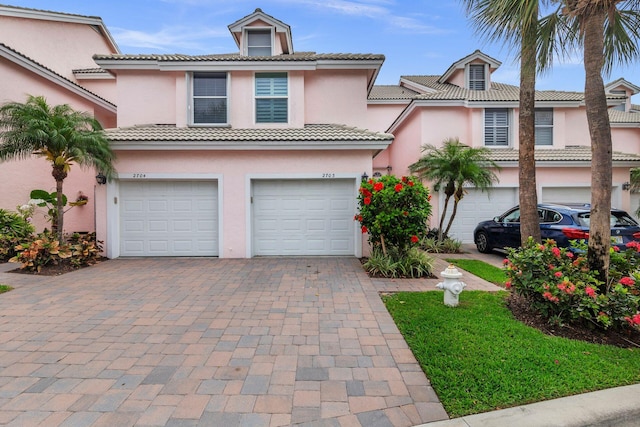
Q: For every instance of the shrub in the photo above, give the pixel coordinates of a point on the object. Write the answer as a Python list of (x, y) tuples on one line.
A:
[(559, 284), (393, 211), (39, 252), (414, 263), (14, 229), (447, 245), (85, 249)]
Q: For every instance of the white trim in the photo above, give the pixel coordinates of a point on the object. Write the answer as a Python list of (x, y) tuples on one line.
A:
[(113, 208), (245, 39), (243, 145), (249, 178), (190, 97), (255, 107)]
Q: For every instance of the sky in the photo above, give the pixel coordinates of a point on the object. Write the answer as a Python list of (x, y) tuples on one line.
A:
[(416, 36)]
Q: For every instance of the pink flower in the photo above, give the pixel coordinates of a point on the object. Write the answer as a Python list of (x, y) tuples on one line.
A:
[(364, 229), (556, 252), (547, 295), (414, 239), (627, 281), (636, 318), (505, 261), (367, 200), (558, 274), (570, 255), (541, 247), (590, 291), (378, 186), (398, 188), (508, 284), (615, 248)]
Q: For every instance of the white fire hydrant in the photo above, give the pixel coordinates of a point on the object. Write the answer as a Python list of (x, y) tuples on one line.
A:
[(452, 285)]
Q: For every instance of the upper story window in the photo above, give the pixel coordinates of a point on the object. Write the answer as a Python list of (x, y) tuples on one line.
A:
[(209, 98), (259, 43), (619, 107), (496, 127), (544, 126), (272, 102), (477, 80)]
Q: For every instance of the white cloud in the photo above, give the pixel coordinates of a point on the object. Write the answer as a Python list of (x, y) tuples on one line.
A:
[(168, 38)]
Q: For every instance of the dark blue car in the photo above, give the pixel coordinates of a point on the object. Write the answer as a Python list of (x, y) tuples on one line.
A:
[(560, 222)]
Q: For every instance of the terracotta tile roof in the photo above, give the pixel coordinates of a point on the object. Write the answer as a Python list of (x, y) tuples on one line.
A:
[(391, 92), (617, 116), (90, 71), (568, 154), (311, 132), (298, 56), (49, 70), (51, 12)]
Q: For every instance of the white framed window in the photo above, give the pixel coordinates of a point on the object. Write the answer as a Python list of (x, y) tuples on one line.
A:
[(619, 107), (272, 98), (496, 127), (259, 43), (477, 79), (544, 126), (209, 101)]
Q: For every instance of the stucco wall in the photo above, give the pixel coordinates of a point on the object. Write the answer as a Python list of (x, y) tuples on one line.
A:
[(336, 96), (147, 97)]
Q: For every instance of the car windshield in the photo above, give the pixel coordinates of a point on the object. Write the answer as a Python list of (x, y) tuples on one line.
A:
[(618, 219)]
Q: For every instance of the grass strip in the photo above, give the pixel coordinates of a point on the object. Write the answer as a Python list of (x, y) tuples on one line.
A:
[(479, 358), (485, 271)]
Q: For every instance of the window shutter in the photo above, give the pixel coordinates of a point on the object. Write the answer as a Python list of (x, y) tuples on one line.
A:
[(271, 98), (496, 126), (259, 43), (476, 77)]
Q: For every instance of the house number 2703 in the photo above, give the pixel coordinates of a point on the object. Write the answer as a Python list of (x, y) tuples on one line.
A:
[(139, 175), (328, 175)]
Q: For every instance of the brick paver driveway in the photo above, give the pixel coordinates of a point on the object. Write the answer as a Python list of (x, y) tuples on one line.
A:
[(182, 342)]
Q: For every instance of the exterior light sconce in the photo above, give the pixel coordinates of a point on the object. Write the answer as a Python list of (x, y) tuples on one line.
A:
[(626, 186), (377, 174), (101, 179), (364, 176)]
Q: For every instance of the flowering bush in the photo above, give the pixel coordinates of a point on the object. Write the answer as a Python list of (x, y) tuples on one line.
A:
[(559, 284), (393, 211)]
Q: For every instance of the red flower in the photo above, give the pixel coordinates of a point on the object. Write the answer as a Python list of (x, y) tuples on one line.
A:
[(590, 291), (508, 284), (405, 213), (410, 183), (556, 252), (414, 239), (550, 297), (570, 255), (505, 261), (370, 181), (615, 248), (366, 193), (378, 186), (558, 274), (627, 281), (636, 318), (367, 201), (428, 197), (398, 188), (404, 179), (364, 229)]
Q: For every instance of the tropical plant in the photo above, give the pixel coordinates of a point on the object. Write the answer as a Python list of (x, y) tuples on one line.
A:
[(517, 23), (61, 135), (452, 167), (413, 263), (14, 229), (609, 33), (393, 211), (45, 249)]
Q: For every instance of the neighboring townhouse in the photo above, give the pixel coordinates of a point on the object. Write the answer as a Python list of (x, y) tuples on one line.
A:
[(40, 52), (258, 152), (465, 103)]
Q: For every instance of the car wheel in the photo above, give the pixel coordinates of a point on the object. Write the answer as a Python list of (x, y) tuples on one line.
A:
[(482, 242)]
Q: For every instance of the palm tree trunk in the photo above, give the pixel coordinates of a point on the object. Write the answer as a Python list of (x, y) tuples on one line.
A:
[(601, 148), (444, 212), (529, 222), (453, 215), (59, 210)]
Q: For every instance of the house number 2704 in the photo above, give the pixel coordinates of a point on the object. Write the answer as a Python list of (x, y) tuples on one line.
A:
[(139, 175), (328, 175)]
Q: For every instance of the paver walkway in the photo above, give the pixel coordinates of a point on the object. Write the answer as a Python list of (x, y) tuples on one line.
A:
[(210, 342)]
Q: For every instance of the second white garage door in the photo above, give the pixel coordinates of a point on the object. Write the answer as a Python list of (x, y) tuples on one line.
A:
[(303, 217), (168, 218), (478, 206)]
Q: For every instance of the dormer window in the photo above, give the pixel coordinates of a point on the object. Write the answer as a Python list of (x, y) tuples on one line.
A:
[(259, 43), (623, 106), (477, 80)]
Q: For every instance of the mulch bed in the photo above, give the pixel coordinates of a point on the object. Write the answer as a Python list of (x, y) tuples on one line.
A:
[(523, 312), (53, 269)]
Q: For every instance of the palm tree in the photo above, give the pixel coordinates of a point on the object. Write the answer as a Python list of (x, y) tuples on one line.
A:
[(450, 168), (517, 23), (59, 134), (609, 32)]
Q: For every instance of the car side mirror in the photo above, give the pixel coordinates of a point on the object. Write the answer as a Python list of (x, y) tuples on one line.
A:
[(496, 219)]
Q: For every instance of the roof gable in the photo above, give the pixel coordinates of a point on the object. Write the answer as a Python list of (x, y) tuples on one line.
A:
[(622, 83), (476, 56), (260, 19)]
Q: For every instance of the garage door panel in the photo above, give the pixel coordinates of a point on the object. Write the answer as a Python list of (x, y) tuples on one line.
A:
[(175, 218), (303, 217)]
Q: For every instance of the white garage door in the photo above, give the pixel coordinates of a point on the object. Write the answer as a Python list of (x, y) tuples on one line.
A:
[(168, 218), (566, 195), (478, 206), (635, 204), (304, 217)]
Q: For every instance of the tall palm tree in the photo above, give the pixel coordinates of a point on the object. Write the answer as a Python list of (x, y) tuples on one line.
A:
[(450, 168), (517, 23), (609, 31), (59, 134)]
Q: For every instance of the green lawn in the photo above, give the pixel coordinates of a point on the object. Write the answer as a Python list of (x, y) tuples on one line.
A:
[(481, 269), (479, 358)]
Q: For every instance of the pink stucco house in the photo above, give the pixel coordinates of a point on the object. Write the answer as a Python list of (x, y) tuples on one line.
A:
[(260, 152)]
